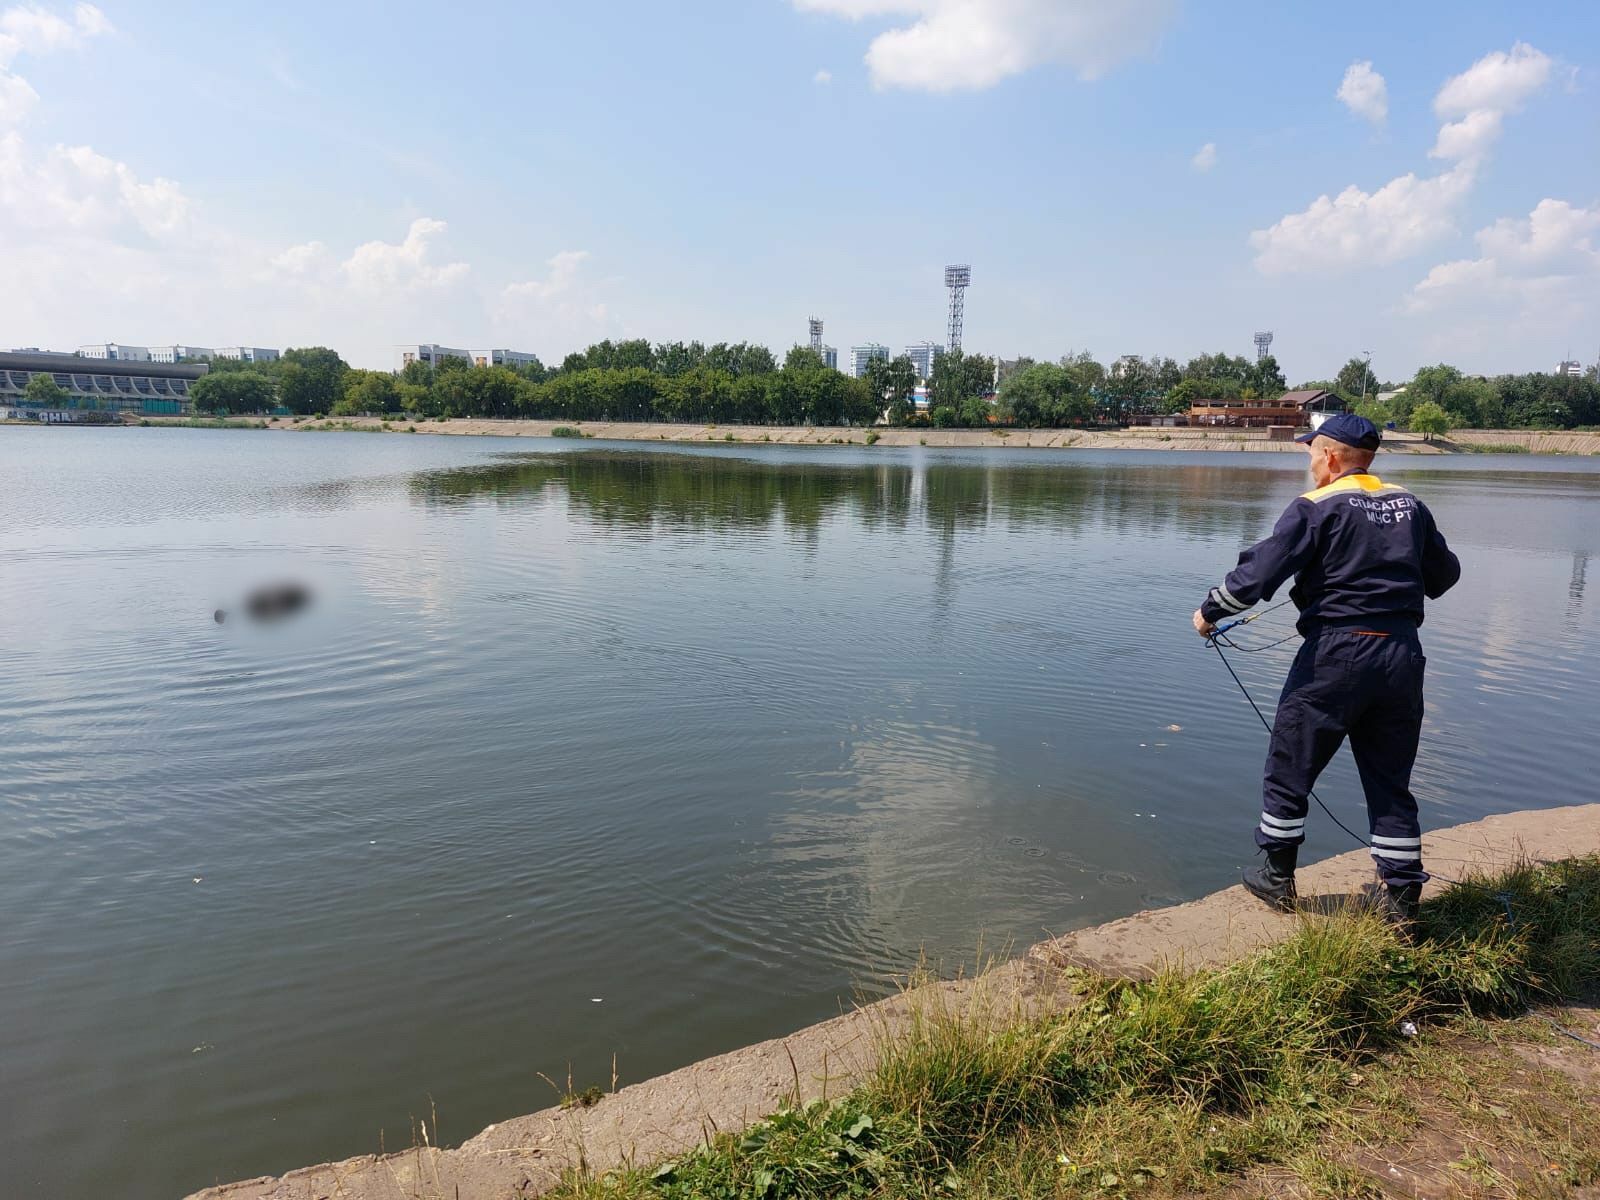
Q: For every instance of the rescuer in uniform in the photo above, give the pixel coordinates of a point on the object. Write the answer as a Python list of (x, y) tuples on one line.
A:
[(1363, 554)]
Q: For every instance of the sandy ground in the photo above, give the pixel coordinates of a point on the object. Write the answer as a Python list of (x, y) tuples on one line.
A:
[(665, 1116), (1127, 439)]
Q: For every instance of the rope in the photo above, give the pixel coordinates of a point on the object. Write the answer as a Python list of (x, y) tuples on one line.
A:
[(1216, 640)]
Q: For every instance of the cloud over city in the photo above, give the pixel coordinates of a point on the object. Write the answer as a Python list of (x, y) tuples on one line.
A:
[(955, 45)]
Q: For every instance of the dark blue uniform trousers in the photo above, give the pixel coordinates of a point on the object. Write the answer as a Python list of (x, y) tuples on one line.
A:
[(1364, 683)]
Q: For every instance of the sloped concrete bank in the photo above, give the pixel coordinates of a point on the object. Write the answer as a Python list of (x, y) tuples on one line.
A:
[(674, 1112)]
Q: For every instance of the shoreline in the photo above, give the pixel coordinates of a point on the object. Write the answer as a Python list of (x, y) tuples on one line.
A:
[(670, 1114), (1467, 441)]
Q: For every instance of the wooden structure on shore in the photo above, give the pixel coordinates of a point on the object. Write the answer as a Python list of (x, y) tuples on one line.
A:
[(1302, 409)]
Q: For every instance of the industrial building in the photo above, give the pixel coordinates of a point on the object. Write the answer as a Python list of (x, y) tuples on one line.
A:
[(109, 385), (860, 356), (1570, 367)]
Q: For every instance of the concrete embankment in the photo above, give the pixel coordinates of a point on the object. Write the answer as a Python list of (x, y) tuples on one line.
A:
[(1520, 440), (662, 1117)]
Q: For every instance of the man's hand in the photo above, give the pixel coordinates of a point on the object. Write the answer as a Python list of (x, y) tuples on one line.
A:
[(1202, 626)]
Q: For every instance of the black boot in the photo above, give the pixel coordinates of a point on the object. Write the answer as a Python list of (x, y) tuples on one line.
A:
[(1397, 903), (1273, 881)]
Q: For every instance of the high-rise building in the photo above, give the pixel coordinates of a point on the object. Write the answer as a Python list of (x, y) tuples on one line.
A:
[(830, 357), (923, 356), (860, 356), (1571, 367)]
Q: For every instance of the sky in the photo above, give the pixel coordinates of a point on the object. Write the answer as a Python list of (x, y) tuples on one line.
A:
[(1419, 180)]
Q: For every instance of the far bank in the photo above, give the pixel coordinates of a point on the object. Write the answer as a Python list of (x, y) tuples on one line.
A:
[(1476, 441)]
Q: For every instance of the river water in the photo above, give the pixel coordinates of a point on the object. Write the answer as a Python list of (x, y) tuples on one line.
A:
[(591, 750)]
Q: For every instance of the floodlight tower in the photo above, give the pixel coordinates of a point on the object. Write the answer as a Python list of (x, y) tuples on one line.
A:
[(816, 335), (1263, 344), (957, 278)]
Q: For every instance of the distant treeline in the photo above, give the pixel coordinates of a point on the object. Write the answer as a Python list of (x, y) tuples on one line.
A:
[(741, 383)]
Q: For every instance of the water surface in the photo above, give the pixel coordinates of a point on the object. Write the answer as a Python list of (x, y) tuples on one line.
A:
[(593, 750)]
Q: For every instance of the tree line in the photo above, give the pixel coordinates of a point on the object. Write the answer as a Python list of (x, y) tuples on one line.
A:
[(742, 383)]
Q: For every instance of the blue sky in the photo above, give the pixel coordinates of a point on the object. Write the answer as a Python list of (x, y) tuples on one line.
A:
[(540, 175)]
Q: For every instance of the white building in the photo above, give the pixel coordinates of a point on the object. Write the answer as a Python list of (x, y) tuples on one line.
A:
[(431, 353), (116, 352), (249, 353), (177, 354), (860, 356), (922, 356), (1572, 368), (503, 358)]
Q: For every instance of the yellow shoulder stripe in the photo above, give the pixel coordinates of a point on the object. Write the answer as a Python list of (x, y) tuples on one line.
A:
[(1352, 483)]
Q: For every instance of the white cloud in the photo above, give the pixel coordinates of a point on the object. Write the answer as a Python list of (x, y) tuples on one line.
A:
[(564, 305), (1364, 92), (953, 45), (1407, 214), (1357, 228), (29, 29), (823, 76), (1548, 256), (75, 188), (1204, 158), (1475, 103), (383, 266), (17, 98)]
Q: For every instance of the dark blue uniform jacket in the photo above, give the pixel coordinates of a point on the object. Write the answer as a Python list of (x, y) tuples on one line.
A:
[(1361, 552)]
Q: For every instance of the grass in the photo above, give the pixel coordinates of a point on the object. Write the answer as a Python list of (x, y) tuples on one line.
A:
[(872, 437), (1289, 1062), (567, 431), (1491, 448)]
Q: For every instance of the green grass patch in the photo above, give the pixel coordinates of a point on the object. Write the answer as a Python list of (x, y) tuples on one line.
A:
[(1179, 1084), (567, 431), (1491, 448)]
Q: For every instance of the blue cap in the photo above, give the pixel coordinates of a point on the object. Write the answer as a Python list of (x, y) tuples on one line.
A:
[(1347, 428)]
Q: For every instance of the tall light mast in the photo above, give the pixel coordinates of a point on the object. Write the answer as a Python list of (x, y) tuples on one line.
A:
[(957, 278)]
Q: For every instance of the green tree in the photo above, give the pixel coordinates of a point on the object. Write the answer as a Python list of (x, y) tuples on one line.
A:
[(311, 379), (233, 392), (369, 392), (1429, 420), (900, 379), (1355, 378), (44, 390)]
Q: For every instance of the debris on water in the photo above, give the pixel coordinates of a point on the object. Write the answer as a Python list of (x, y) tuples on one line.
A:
[(1408, 1029), (197, 879), (278, 600), (594, 999), (1174, 728), (202, 1048), (219, 616)]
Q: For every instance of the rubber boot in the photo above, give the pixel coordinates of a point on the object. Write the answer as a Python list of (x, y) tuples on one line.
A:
[(1273, 881), (1398, 902)]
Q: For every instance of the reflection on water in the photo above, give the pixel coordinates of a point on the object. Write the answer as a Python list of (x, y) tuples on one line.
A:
[(710, 735)]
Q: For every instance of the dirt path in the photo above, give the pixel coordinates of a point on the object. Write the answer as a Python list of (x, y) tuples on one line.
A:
[(664, 1116)]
